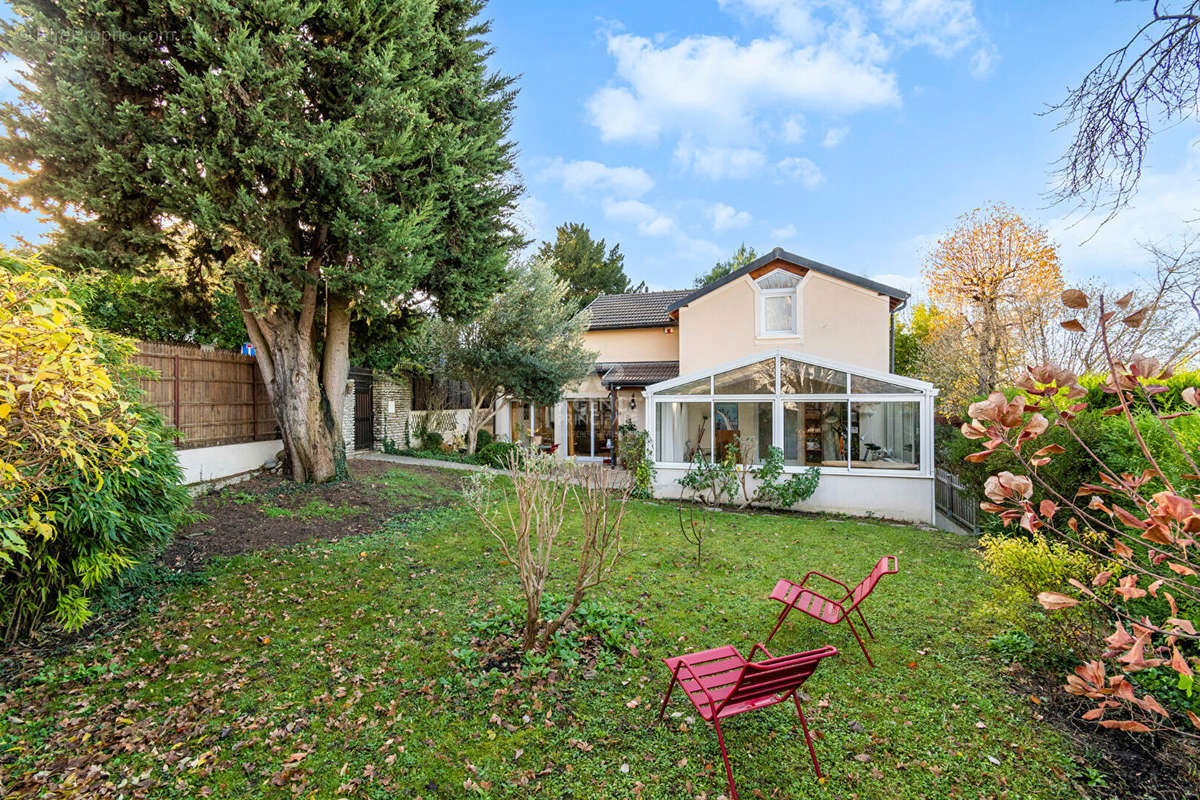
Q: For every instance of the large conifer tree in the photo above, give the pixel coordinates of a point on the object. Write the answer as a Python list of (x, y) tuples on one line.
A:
[(332, 159)]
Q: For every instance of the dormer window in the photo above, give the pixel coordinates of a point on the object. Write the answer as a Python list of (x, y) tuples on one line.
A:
[(779, 303)]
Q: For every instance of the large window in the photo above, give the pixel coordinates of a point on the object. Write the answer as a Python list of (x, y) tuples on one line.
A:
[(796, 377), (751, 379), (814, 434), (818, 415), (746, 423), (886, 435), (684, 430)]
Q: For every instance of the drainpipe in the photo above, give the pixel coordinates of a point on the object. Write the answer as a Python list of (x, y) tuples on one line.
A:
[(892, 335), (615, 413)]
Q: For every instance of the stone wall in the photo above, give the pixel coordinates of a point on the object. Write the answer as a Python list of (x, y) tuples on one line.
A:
[(348, 417), (393, 404)]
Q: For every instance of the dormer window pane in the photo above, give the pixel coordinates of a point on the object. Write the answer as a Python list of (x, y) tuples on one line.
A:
[(778, 313)]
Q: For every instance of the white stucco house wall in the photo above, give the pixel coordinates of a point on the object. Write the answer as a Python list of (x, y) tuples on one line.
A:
[(784, 352)]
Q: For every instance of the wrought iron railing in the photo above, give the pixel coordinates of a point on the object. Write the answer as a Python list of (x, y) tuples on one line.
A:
[(953, 501)]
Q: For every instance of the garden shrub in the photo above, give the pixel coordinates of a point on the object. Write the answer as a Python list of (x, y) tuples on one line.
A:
[(1134, 522), (1025, 566), (636, 455), (431, 440), (483, 438), (88, 478), (542, 489), (718, 482), (778, 493), (712, 482), (1118, 448), (498, 454)]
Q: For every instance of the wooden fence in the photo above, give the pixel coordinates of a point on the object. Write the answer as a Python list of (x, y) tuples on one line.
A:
[(212, 397)]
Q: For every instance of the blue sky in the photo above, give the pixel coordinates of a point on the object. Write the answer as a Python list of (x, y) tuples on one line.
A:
[(850, 132), (853, 133)]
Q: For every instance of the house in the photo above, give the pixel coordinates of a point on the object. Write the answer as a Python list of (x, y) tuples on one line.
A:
[(784, 352)]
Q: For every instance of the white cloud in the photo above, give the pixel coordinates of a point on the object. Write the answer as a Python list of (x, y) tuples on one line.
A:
[(579, 177), (718, 162), (835, 136), (721, 97), (784, 234), (619, 116), (793, 129), (803, 170), (944, 26), (717, 85), (725, 217), (648, 219), (982, 61)]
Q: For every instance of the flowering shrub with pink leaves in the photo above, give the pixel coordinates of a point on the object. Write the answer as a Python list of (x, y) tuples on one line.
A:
[(1141, 527)]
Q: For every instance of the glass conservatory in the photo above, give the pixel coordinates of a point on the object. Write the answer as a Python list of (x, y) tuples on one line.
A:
[(846, 420)]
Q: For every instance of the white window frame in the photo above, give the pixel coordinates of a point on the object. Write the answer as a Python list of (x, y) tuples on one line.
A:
[(764, 294), (924, 395)]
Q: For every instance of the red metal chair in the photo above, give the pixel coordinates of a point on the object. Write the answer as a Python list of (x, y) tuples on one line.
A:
[(831, 612), (721, 683)]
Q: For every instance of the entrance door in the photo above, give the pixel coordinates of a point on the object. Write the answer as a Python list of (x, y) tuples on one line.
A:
[(602, 435), (364, 412), (579, 428)]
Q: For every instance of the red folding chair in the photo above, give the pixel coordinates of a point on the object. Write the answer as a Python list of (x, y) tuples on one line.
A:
[(831, 612), (721, 683)]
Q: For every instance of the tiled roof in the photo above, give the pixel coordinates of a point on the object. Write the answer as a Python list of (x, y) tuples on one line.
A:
[(637, 373), (637, 310), (896, 296)]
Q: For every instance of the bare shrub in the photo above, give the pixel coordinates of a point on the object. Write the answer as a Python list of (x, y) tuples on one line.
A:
[(527, 520)]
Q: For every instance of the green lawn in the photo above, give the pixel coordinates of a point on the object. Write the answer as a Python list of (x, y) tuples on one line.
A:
[(326, 670)]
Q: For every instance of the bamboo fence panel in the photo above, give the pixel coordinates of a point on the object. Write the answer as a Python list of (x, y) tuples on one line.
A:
[(211, 397)]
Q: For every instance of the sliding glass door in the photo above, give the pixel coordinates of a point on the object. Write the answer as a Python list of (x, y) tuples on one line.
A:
[(590, 428)]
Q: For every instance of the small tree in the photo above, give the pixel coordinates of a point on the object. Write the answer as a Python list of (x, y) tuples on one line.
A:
[(528, 523), (527, 344)]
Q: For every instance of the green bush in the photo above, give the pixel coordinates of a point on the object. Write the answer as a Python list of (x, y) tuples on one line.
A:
[(431, 440), (778, 493), (712, 482), (1073, 468), (636, 456), (1169, 401), (1024, 567), (498, 454), (159, 309), (112, 505), (483, 439), (1118, 448)]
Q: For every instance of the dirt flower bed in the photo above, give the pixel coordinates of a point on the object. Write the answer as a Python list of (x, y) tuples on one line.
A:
[(270, 511)]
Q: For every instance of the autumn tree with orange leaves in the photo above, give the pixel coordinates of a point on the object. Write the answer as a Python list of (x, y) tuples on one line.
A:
[(998, 277)]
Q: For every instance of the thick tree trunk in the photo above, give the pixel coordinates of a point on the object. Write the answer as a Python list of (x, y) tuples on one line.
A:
[(305, 392)]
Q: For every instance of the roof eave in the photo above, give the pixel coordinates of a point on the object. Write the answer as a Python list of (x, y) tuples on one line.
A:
[(779, 254)]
